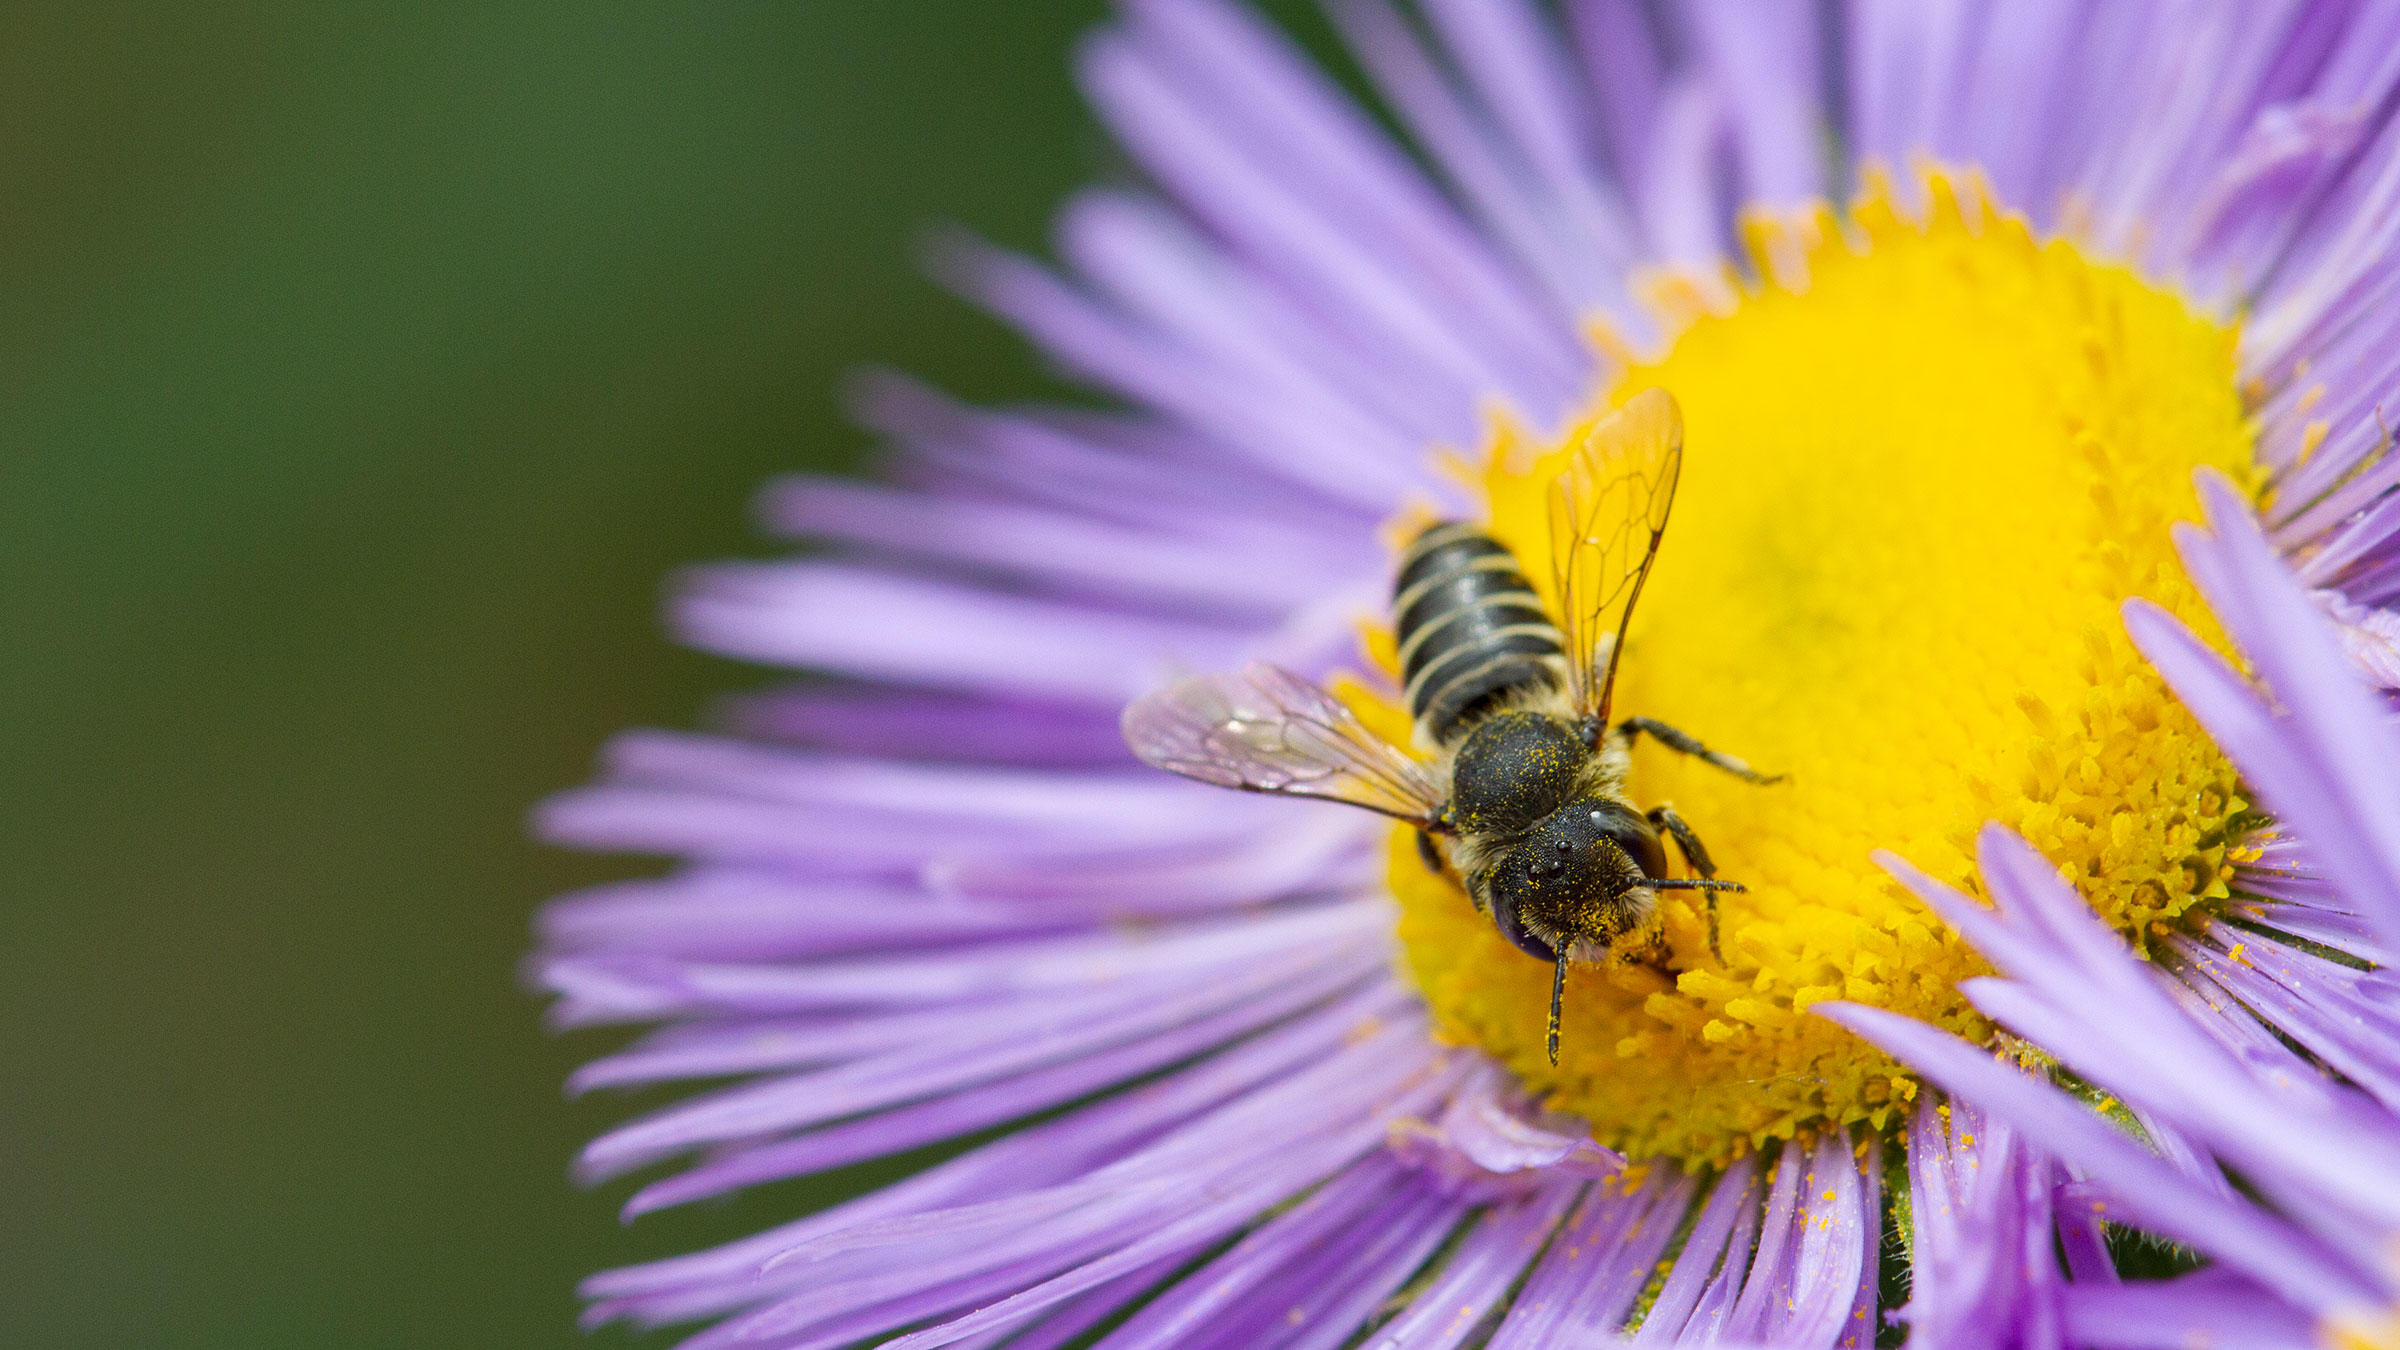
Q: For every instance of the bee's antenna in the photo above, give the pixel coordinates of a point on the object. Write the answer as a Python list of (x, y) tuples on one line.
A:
[(1710, 889), (1558, 998)]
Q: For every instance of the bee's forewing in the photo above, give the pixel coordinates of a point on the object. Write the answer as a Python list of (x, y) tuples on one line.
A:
[(1265, 729), (1608, 512)]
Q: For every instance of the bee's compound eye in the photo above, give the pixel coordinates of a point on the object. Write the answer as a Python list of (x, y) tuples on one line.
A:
[(1621, 826)]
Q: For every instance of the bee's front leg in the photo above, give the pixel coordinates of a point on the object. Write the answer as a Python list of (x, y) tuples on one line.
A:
[(1663, 817)]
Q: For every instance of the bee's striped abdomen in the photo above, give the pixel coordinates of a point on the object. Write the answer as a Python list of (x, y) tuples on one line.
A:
[(1470, 630)]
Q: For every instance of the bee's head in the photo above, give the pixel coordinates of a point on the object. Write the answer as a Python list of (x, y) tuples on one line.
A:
[(1582, 873)]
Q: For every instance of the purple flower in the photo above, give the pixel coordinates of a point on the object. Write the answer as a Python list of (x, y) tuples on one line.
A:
[(1206, 1097), (2253, 1053)]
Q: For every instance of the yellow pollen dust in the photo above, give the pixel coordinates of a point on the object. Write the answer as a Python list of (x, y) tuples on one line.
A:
[(1927, 456)]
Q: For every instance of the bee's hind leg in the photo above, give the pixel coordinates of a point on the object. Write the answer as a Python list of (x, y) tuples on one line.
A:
[(1685, 743), (1663, 817)]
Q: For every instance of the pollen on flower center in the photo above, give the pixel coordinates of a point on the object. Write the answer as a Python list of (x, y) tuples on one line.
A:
[(1926, 460)]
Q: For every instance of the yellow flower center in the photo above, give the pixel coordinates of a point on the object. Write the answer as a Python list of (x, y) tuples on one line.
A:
[(1925, 461)]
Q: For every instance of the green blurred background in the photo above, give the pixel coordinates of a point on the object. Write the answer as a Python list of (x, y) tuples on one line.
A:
[(363, 370)]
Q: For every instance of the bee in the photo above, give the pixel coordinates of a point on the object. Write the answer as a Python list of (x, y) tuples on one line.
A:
[(1523, 792)]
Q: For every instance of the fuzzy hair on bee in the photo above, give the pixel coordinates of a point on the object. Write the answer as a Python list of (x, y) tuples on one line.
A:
[(1522, 790)]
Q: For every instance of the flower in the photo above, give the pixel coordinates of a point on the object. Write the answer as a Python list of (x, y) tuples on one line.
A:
[(2263, 1066), (2303, 1246), (1192, 1089)]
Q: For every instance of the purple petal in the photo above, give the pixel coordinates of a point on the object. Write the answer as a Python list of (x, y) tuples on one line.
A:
[(1598, 1264), (1038, 1155), (1008, 1098), (2329, 763), (740, 914), (878, 625), (1981, 1211), (1765, 58), (1722, 1232), (1581, 260), (1228, 178), (1488, 1140), (1813, 1256), (2147, 1193), (1045, 1030), (1475, 1280), (1242, 1201), (1341, 154), (907, 951), (1349, 1208), (1049, 548), (2346, 1017), (2211, 1308), (1320, 1303), (1110, 467), (2079, 994)]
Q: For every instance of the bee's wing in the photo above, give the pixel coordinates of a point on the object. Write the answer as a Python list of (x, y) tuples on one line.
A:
[(1607, 513), (1267, 730)]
